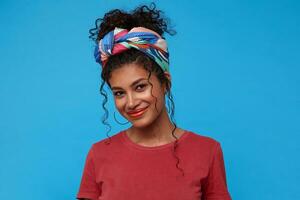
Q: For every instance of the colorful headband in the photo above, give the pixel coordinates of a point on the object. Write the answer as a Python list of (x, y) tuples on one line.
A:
[(140, 38)]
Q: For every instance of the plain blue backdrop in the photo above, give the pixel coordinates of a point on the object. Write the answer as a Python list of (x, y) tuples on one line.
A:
[(235, 71)]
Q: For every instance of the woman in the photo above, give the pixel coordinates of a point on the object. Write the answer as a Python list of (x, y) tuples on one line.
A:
[(153, 159)]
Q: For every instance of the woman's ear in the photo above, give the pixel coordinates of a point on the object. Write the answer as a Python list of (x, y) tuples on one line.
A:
[(168, 75)]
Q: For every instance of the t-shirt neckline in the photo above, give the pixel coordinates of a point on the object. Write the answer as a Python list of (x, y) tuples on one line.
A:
[(129, 142)]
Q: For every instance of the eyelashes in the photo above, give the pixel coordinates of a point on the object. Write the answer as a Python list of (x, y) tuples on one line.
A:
[(142, 86), (117, 94), (138, 88)]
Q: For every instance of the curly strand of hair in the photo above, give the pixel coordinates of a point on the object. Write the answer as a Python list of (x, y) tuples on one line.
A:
[(171, 104), (149, 15), (171, 101), (94, 31), (149, 75), (105, 115), (121, 123)]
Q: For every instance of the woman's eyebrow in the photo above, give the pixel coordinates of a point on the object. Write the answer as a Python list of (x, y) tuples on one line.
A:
[(132, 84)]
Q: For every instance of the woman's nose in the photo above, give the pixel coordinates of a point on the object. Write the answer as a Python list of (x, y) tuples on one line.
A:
[(132, 101)]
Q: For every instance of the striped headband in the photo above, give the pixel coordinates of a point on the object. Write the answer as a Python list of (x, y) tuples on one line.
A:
[(140, 38)]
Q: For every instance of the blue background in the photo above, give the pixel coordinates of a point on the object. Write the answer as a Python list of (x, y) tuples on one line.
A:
[(235, 71)]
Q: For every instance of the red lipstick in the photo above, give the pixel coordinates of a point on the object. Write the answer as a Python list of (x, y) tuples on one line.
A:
[(137, 113)]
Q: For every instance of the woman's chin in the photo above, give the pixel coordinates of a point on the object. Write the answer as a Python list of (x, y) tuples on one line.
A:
[(137, 124), (140, 123)]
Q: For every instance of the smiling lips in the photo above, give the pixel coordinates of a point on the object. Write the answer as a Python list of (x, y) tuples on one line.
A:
[(138, 113)]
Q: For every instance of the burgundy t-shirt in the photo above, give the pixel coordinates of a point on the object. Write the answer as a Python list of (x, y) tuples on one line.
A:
[(124, 170)]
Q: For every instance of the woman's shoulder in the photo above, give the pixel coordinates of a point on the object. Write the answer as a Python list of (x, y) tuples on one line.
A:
[(109, 139), (199, 139), (200, 146)]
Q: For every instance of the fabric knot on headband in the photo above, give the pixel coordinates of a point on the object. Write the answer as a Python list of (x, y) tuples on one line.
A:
[(140, 38)]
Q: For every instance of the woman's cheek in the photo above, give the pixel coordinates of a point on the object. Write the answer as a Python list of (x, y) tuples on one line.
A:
[(150, 94), (119, 104), (146, 95)]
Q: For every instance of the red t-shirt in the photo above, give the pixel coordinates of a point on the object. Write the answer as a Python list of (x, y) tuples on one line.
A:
[(124, 170)]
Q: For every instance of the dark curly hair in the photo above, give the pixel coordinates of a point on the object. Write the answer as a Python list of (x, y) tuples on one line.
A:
[(144, 16)]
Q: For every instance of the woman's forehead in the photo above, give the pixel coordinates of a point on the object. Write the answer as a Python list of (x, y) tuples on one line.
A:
[(127, 75)]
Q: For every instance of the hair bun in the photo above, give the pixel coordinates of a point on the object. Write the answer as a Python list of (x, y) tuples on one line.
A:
[(142, 16)]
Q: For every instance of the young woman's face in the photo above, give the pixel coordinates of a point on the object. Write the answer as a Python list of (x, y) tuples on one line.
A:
[(132, 94)]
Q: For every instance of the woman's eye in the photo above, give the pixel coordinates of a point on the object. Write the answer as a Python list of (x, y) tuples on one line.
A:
[(118, 93), (140, 87)]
